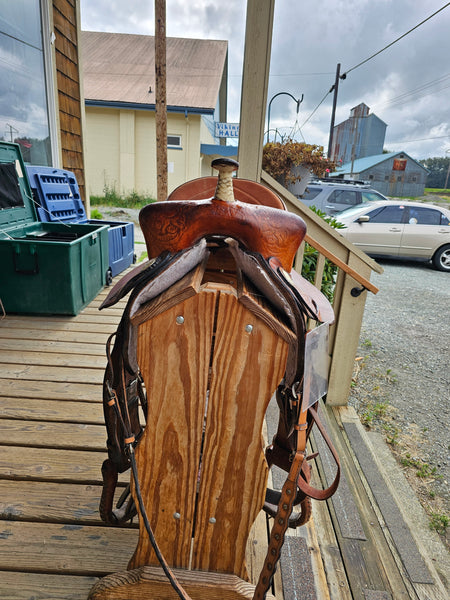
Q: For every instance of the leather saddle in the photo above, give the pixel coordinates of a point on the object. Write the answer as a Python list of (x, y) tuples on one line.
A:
[(234, 257)]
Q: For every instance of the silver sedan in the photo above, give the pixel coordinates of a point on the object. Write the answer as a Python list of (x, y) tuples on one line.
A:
[(400, 229)]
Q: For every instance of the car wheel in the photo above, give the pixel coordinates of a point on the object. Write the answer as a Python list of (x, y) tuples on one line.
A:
[(441, 258)]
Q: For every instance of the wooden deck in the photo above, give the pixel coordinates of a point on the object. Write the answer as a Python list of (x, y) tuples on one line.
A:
[(52, 542)]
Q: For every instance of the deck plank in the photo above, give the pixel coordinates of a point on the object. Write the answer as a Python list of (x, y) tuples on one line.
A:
[(37, 357), (60, 325), (51, 465), (50, 373), (76, 336), (24, 586), (65, 548), (38, 409), (51, 345), (70, 436), (56, 390), (51, 502)]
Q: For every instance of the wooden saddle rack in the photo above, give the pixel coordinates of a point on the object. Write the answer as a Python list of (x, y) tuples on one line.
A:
[(214, 325)]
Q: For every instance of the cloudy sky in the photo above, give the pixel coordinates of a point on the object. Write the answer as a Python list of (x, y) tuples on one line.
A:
[(407, 85)]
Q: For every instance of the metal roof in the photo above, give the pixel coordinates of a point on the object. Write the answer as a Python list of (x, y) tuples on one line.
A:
[(362, 164), (120, 68)]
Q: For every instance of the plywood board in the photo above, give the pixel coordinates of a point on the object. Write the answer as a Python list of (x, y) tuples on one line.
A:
[(176, 378)]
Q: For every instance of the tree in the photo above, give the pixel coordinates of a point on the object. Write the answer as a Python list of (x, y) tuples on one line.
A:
[(438, 168), (281, 158)]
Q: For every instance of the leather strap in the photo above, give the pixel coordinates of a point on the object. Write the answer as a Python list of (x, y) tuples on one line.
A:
[(281, 521)]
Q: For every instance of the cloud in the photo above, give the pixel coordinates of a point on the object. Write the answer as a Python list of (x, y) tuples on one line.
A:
[(309, 39)]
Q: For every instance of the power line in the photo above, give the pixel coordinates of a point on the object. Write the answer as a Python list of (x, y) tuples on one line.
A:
[(299, 74), (416, 96), (439, 137), (307, 74), (416, 93), (344, 75), (418, 89), (321, 102)]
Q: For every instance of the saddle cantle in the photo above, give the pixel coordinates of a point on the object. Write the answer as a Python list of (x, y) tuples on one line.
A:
[(214, 324)]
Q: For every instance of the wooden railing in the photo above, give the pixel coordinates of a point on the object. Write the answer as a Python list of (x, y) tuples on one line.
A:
[(352, 286)]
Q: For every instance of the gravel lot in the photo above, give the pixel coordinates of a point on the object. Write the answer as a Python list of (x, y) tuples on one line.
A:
[(401, 383)]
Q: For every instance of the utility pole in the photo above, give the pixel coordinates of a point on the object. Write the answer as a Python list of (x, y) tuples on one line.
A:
[(160, 92), (333, 112), (448, 171)]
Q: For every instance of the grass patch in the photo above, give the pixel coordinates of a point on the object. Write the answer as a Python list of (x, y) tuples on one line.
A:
[(438, 191), (423, 469), (374, 411), (95, 214), (439, 522), (112, 198), (392, 434)]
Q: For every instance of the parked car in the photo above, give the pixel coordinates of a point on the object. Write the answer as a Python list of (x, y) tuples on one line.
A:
[(333, 196), (400, 229)]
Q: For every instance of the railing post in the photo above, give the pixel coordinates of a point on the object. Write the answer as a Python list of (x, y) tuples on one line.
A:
[(255, 78), (345, 338)]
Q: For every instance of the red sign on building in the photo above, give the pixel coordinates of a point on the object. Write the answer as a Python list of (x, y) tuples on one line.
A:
[(399, 164)]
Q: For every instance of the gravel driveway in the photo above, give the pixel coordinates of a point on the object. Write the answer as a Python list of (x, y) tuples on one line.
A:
[(401, 384)]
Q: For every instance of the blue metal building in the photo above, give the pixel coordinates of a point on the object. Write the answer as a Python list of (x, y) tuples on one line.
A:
[(393, 174), (362, 134)]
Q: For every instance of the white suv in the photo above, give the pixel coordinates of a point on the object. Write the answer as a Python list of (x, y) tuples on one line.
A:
[(333, 196)]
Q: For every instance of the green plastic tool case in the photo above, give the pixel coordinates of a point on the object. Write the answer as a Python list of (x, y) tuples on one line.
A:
[(45, 268)]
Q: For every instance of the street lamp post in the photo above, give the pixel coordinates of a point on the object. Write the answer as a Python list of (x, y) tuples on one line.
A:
[(298, 102)]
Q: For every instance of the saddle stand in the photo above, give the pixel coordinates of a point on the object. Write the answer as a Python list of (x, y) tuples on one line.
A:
[(214, 325)]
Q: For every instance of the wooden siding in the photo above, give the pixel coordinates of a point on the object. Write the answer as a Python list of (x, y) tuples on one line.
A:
[(68, 81)]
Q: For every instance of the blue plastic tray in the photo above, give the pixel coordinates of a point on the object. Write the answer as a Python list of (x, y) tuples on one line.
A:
[(57, 199)]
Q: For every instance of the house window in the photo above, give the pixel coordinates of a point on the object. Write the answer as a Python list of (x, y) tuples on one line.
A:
[(174, 141), (24, 114), (371, 177), (386, 177)]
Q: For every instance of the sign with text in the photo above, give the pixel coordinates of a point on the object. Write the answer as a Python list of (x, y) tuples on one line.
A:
[(227, 130)]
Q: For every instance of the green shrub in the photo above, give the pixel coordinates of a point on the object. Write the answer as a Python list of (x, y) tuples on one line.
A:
[(310, 256)]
